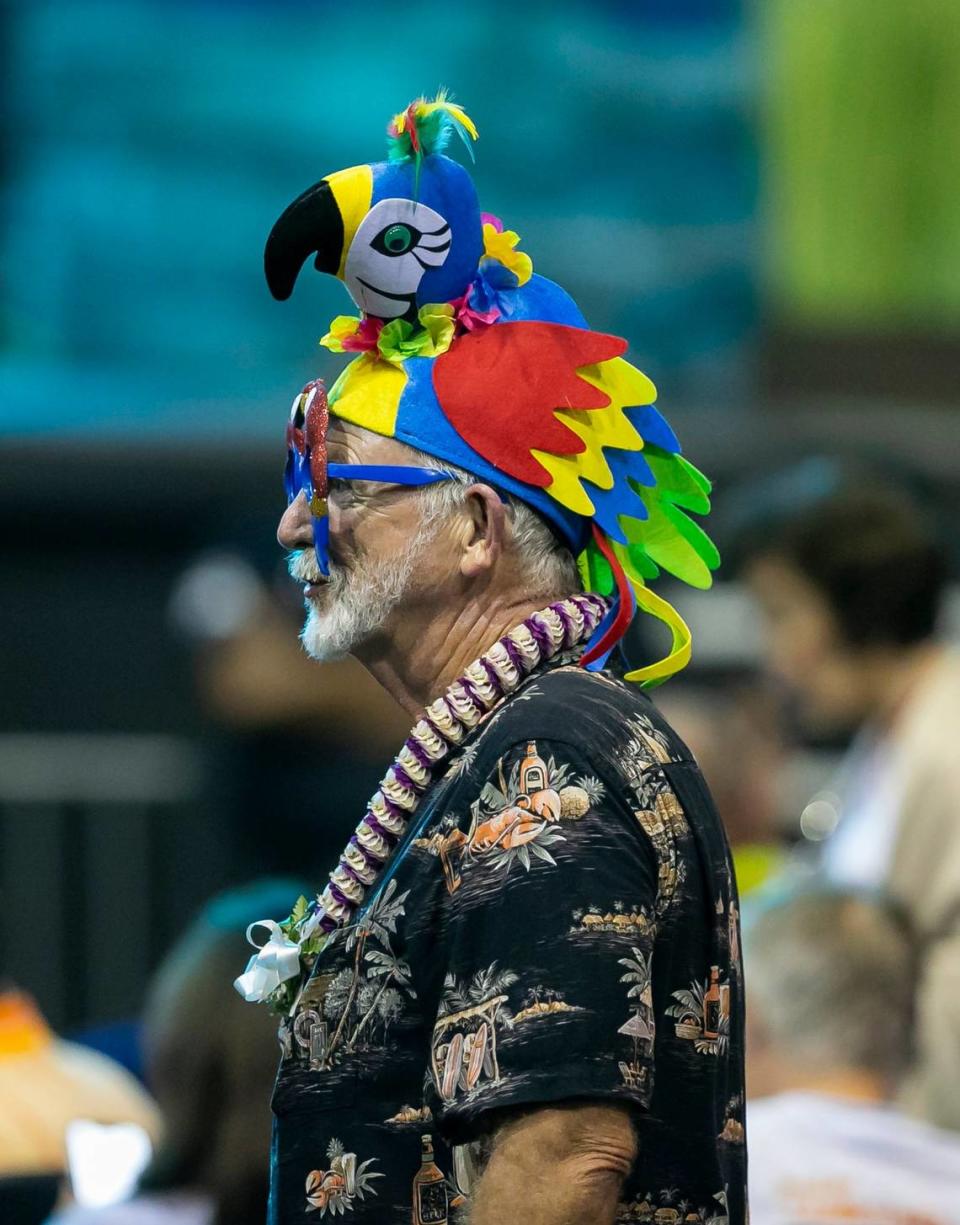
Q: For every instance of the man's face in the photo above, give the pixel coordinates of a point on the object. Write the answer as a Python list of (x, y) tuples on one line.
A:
[(382, 559), (804, 646)]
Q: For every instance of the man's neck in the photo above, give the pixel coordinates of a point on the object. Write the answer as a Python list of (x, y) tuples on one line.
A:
[(415, 663)]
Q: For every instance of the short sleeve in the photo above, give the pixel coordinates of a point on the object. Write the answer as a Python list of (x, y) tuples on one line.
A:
[(551, 893)]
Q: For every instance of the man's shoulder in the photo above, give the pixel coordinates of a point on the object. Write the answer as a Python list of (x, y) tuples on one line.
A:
[(597, 712)]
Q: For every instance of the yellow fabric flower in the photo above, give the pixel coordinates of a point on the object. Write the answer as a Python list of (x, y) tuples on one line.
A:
[(342, 328), (500, 244), (437, 319)]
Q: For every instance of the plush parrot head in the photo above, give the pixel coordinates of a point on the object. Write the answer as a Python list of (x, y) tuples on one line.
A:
[(399, 233), (464, 353)]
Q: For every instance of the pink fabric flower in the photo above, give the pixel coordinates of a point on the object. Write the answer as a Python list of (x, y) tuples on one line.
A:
[(365, 338), (468, 317)]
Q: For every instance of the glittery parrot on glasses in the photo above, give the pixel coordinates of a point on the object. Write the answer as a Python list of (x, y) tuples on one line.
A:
[(463, 352)]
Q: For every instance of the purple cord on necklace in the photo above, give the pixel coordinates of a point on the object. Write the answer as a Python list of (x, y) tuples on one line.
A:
[(568, 630), (472, 694), (415, 751), (436, 731), (492, 677), (351, 872), (371, 822), (513, 655), (540, 634), (404, 779), (340, 898), (369, 858)]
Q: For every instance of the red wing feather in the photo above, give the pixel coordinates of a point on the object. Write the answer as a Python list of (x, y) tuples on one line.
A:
[(499, 389)]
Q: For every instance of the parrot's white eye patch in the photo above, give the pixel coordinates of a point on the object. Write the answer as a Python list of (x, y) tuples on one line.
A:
[(394, 245)]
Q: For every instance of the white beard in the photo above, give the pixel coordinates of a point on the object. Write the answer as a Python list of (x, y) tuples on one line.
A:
[(356, 603)]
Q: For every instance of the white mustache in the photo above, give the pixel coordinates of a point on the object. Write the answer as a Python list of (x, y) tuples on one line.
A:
[(303, 568)]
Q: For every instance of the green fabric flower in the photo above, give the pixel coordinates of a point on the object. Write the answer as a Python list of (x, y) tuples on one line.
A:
[(429, 337)]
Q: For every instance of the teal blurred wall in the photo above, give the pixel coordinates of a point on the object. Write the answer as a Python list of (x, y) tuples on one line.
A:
[(151, 144)]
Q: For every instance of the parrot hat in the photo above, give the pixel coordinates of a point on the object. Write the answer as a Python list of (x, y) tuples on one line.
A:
[(465, 353)]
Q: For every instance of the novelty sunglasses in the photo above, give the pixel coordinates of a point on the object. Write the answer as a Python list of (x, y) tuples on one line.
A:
[(308, 471)]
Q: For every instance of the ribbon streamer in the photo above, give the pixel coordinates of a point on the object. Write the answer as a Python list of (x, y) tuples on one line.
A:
[(276, 961)]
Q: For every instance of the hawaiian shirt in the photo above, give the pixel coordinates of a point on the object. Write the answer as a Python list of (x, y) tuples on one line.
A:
[(559, 923)]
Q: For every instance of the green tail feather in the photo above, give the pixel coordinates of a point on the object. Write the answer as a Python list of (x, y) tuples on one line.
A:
[(668, 539), (595, 572)]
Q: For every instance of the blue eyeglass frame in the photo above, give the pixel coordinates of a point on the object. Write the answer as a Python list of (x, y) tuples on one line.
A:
[(297, 480)]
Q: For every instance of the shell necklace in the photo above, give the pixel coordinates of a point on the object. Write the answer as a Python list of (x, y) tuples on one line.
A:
[(445, 724)]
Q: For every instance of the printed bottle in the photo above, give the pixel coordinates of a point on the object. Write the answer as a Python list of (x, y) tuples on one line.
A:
[(711, 1006), (429, 1189), (533, 771)]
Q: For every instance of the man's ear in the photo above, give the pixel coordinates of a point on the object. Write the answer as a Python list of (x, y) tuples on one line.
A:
[(484, 531)]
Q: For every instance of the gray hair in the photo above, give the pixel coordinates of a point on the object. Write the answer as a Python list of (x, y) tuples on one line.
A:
[(830, 975), (550, 566)]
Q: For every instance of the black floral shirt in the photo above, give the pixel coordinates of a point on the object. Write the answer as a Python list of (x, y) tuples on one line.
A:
[(560, 923)]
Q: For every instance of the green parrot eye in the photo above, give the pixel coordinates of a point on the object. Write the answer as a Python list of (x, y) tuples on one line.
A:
[(396, 239)]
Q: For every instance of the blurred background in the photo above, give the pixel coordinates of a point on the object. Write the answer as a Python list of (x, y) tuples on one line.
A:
[(760, 196)]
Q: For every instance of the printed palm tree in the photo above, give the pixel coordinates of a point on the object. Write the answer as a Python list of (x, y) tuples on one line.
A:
[(388, 968), (491, 982), (638, 974), (618, 907), (533, 996), (668, 1195), (684, 1207), (378, 923), (464, 761), (688, 1002), (483, 986)]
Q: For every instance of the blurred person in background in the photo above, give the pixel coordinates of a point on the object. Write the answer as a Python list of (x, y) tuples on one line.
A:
[(829, 1035), (210, 1061), (744, 783), (46, 1084), (849, 574)]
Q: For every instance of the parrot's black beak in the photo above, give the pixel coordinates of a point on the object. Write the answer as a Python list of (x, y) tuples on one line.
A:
[(311, 223)]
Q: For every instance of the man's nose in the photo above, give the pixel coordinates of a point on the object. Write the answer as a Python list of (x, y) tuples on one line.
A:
[(295, 530)]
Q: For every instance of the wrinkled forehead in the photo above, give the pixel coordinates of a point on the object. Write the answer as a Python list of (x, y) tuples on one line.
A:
[(353, 444)]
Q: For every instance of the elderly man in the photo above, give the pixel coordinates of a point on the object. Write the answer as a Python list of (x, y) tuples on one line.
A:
[(520, 992)]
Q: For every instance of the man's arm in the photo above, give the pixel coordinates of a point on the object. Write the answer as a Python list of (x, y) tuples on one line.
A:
[(566, 1164)]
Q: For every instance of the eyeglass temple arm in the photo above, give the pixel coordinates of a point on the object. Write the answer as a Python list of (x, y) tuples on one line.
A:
[(394, 474)]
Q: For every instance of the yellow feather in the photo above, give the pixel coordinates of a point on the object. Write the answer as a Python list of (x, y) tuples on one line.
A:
[(656, 606), (452, 109), (597, 428), (424, 107)]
